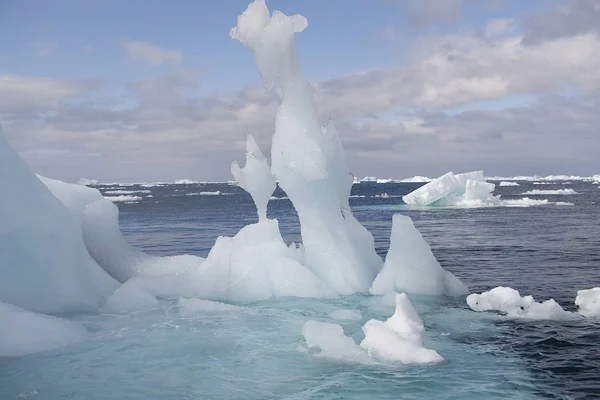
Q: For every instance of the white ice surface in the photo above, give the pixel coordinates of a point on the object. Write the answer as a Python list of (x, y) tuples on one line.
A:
[(255, 177), (510, 302), (253, 265), (44, 263), (508, 183), (461, 190), (588, 302), (24, 332), (536, 192), (99, 221), (410, 265), (399, 339)]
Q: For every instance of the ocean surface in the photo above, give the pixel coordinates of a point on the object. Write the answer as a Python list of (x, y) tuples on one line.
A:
[(257, 351)]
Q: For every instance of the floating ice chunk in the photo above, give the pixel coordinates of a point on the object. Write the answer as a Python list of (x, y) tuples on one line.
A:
[(24, 332), (508, 183), (256, 177), (185, 182), (87, 182), (44, 264), (117, 199), (416, 179), (411, 266), (509, 301), (130, 296), (544, 183), (126, 191), (432, 191), (400, 338), (332, 342), (348, 315), (215, 193), (189, 307), (525, 202), (308, 159), (588, 302), (536, 192), (564, 203), (463, 190)]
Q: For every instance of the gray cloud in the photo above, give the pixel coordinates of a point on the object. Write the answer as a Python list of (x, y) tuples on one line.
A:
[(571, 18)]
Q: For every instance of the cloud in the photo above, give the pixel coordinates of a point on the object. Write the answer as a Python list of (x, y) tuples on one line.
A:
[(150, 54), (44, 49), (570, 18), (429, 12), (33, 94), (395, 121)]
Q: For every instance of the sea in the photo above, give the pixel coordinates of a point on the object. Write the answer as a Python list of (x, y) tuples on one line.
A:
[(257, 351)]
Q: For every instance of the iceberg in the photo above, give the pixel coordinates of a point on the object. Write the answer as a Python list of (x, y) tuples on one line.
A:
[(508, 183), (468, 189), (308, 159), (44, 263), (588, 302), (410, 266)]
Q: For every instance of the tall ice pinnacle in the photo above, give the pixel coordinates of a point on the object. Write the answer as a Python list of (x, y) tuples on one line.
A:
[(308, 159)]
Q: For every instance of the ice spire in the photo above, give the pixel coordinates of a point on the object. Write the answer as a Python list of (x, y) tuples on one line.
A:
[(256, 177)]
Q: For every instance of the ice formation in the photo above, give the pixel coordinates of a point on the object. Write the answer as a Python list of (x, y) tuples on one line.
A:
[(468, 189), (130, 296), (509, 301), (44, 263), (535, 192), (410, 265), (255, 178), (398, 339), (308, 159), (588, 302), (24, 332), (99, 221), (253, 265), (508, 183)]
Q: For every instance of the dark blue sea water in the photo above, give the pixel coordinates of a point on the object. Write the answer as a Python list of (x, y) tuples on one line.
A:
[(546, 251)]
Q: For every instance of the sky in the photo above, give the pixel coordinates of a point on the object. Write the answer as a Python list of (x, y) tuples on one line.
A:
[(157, 91)]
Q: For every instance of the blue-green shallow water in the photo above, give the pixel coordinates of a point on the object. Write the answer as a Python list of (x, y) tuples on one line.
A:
[(546, 251)]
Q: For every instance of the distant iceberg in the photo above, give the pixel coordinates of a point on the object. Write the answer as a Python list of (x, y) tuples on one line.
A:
[(536, 192), (468, 189)]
